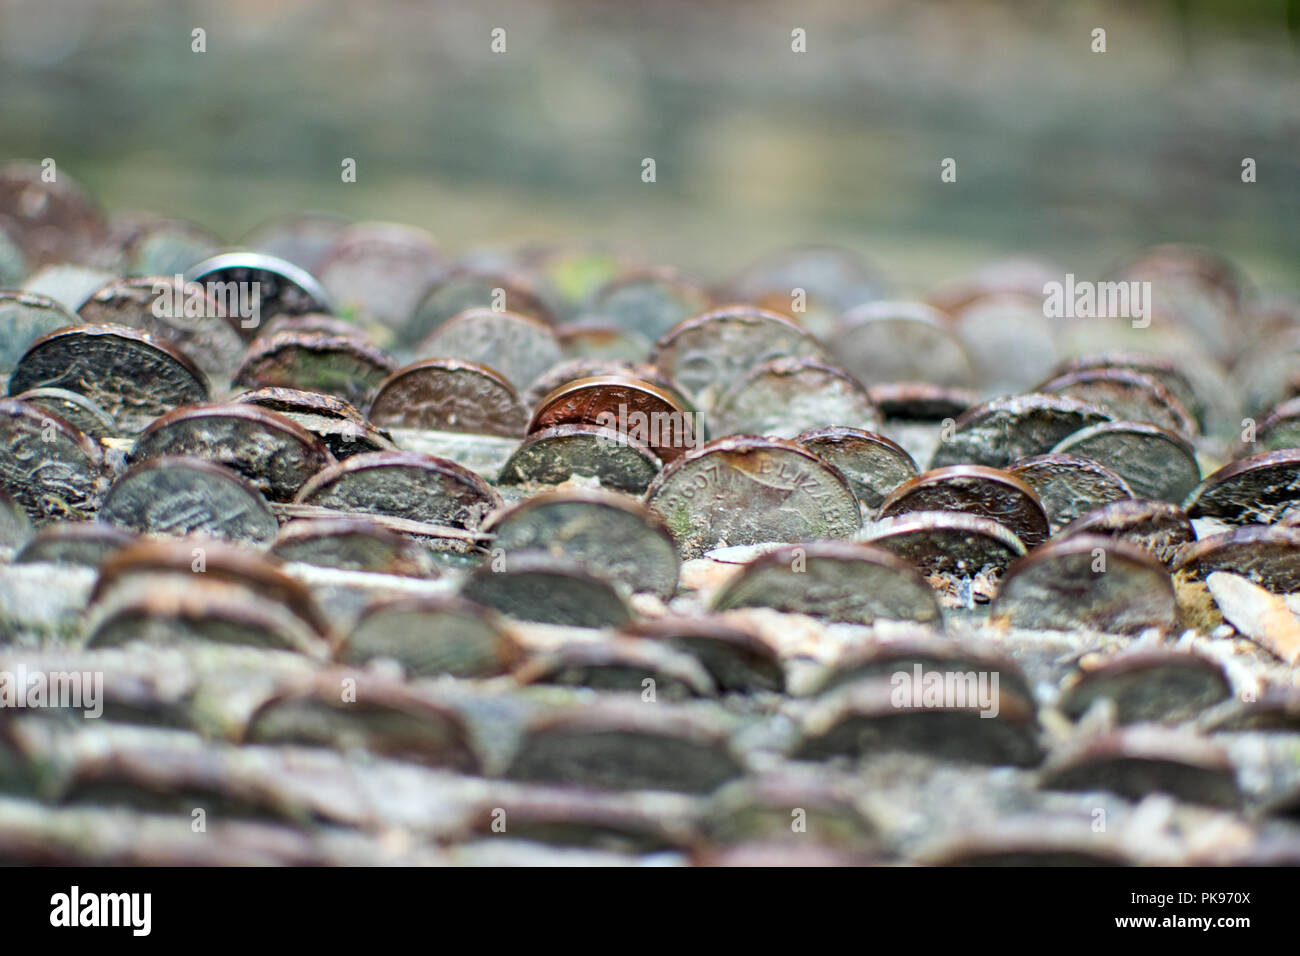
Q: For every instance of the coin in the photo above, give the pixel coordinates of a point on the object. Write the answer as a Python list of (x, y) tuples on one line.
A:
[(430, 636), (1161, 368), (1259, 488), (315, 361), (920, 401), (380, 270), (68, 285), (762, 808), (1125, 395), (1034, 840), (554, 455), (519, 347), (52, 221), (24, 318), (75, 409), (1158, 526), (640, 410), (302, 238), (1068, 486), (278, 288), (1004, 430), (873, 464), (179, 496), (613, 535), (351, 544), (87, 543), (570, 370), (786, 396), (449, 395), (463, 289), (1009, 341), (1155, 462), (1268, 555), (973, 489), (649, 301), (1280, 429), (569, 818), (535, 586), (403, 484), (1151, 685), (748, 490), (708, 352), (334, 421), (48, 467), (129, 374), (274, 454), (837, 580), (147, 245), (1086, 581), (590, 339), (835, 278), (1005, 277), (619, 666), (949, 544), (314, 322), (900, 342), (736, 660)]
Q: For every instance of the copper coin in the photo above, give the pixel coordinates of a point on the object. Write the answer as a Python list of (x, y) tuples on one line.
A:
[(1068, 486), (48, 467), (1004, 430), (1258, 489), (948, 544), (1163, 369), (1156, 462), (974, 489), (316, 361), (570, 370), (301, 402), (449, 395), (642, 411)]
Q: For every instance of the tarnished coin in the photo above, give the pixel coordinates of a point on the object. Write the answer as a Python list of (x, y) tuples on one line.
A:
[(301, 401), (1258, 489), (1068, 486), (88, 543), (519, 347), (554, 455), (274, 454), (464, 289), (1126, 395), (52, 221), (334, 421), (430, 636), (1009, 341), (837, 580), (302, 238), (1154, 461), (52, 470), (920, 401), (1266, 375), (983, 722), (314, 322), (403, 484), (259, 287), (315, 361), (1004, 430), (180, 496), (786, 396), (619, 665), (15, 528), (735, 659), (534, 586), (127, 373), (589, 339), (148, 245), (762, 808), (68, 285), (708, 352), (1163, 369), (180, 313), (1086, 581), (1135, 762), (570, 370), (625, 745), (1150, 685), (973, 489), (649, 301), (380, 270), (449, 395), (613, 535), (644, 412), (873, 464), (24, 318), (1022, 277), (1268, 555), (748, 490), (1158, 526), (826, 280), (959, 553), (351, 544), (74, 408), (900, 342), (1279, 429)]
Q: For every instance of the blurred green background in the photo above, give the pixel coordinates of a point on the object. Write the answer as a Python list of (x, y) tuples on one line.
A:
[(1060, 151)]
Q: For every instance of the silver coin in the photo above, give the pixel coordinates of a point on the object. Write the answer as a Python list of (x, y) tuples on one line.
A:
[(261, 286), (785, 396), (75, 409), (48, 467), (1004, 430), (1259, 489), (973, 489), (735, 659), (900, 342), (1158, 526), (430, 636), (949, 545), (873, 464), (535, 586), (86, 543), (619, 666), (554, 455), (24, 318), (1069, 486), (1153, 685), (379, 270), (1269, 555), (1126, 395), (181, 496), (462, 290), (519, 347), (351, 544), (341, 365), (1155, 462), (649, 302)]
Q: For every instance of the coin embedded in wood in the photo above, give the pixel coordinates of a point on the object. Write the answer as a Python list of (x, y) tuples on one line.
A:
[(535, 586), (351, 544), (837, 580), (74, 408), (276, 455), (449, 395), (786, 396), (554, 455), (517, 346), (48, 467), (620, 666), (430, 636), (736, 660), (961, 552), (1158, 526), (1069, 486), (873, 464), (127, 373), (464, 289), (1126, 395), (1268, 555), (340, 365), (1004, 430), (86, 543), (748, 490), (179, 496), (260, 286), (403, 484), (708, 352), (900, 342), (973, 489), (1258, 489), (649, 301), (1154, 685), (644, 412), (24, 318), (1154, 461), (1086, 581), (613, 535)]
